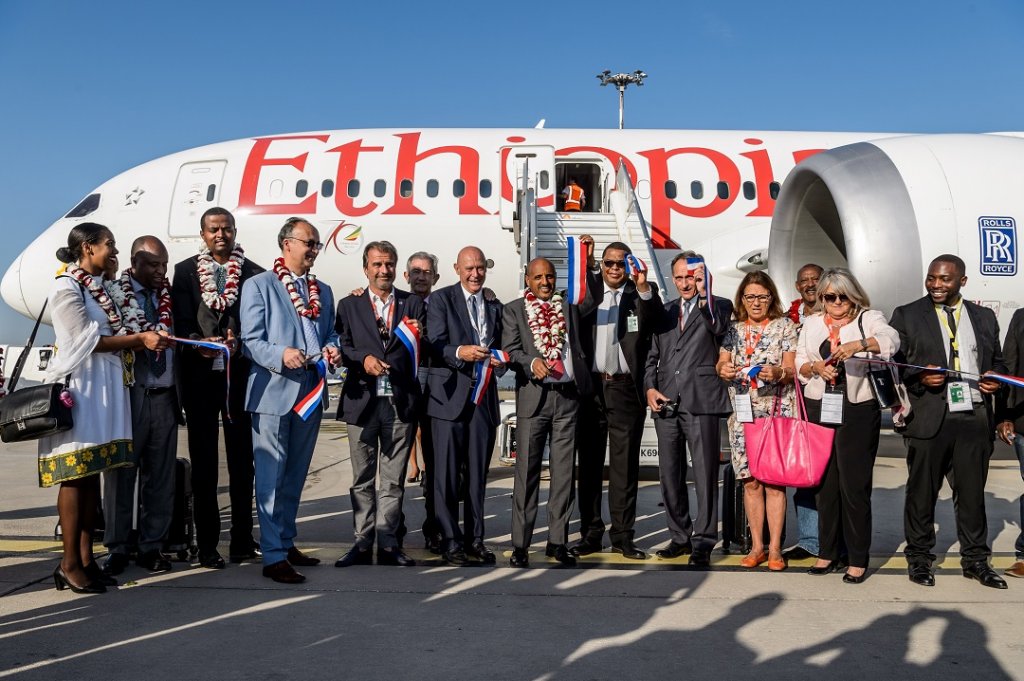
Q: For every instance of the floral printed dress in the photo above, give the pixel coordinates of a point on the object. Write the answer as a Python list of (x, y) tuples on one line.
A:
[(750, 345)]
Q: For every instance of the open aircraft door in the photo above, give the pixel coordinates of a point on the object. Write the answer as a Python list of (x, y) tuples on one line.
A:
[(535, 164)]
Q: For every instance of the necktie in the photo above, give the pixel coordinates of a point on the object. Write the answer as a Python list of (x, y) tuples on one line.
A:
[(611, 346), (474, 314), (220, 277), (308, 326), (954, 355), (157, 360), (686, 315)]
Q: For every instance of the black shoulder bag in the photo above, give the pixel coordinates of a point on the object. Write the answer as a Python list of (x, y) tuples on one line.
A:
[(883, 383), (31, 413)]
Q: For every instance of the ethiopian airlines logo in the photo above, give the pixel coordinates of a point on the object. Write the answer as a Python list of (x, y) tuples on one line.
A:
[(346, 238)]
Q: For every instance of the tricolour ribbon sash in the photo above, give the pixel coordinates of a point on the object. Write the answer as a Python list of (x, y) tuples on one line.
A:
[(635, 265), (219, 347), (482, 374), (691, 264), (308, 404), (577, 290), (1015, 381), (751, 374), (410, 338)]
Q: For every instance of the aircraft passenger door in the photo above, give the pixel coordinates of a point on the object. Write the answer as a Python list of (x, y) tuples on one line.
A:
[(198, 188), (537, 164)]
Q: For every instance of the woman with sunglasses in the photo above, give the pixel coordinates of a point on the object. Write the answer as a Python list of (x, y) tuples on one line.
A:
[(839, 395), (761, 337)]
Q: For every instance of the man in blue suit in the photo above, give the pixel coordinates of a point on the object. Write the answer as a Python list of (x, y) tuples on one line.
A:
[(379, 402), (463, 326), (287, 326)]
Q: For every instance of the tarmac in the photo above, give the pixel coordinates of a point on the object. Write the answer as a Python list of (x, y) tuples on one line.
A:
[(610, 618)]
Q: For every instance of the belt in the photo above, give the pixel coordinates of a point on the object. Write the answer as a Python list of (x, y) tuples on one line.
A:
[(157, 391), (613, 378), (563, 387)]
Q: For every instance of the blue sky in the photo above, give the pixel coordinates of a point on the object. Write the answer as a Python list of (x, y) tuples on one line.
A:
[(88, 90)]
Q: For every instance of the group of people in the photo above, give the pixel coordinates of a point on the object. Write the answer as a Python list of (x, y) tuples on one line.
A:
[(422, 366)]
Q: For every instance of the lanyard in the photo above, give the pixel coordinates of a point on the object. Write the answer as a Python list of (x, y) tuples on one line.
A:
[(954, 343), (750, 346), (384, 327), (833, 337)]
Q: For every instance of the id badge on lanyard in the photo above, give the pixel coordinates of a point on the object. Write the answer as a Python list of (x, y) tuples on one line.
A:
[(218, 362), (958, 396), (384, 387), (832, 407), (743, 408), (632, 323)]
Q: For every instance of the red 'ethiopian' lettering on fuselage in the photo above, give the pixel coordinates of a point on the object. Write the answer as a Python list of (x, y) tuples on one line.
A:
[(408, 155)]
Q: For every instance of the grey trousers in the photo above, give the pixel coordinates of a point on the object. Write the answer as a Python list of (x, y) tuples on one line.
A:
[(701, 431), (557, 417), (154, 450), (379, 448)]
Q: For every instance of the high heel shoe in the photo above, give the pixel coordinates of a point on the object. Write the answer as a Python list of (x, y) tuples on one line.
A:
[(851, 579), (832, 566), (61, 581), (97, 576)]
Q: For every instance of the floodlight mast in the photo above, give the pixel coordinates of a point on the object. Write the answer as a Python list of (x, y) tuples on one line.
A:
[(621, 81)]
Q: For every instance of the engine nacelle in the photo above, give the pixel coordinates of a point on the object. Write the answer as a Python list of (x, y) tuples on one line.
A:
[(885, 208)]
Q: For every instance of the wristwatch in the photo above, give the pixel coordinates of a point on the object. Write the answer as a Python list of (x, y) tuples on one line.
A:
[(864, 344)]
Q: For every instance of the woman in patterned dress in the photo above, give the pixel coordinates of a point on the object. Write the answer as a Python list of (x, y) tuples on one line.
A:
[(762, 338)]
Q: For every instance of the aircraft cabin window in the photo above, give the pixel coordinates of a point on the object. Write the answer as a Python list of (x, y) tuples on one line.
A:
[(697, 189), (773, 190), (432, 188), (301, 188), (670, 189), (748, 190), (327, 188), (353, 188), (459, 188), (85, 206), (485, 189), (405, 189), (380, 188), (545, 180), (723, 190), (211, 192)]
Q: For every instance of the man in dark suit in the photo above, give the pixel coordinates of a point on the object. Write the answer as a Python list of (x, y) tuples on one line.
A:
[(542, 337), (1010, 414), (950, 428), (379, 402), (462, 328), (206, 295), (616, 337), (688, 400)]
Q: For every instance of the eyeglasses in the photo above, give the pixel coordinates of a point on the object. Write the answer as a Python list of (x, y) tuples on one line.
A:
[(757, 299), (416, 272), (835, 298), (608, 264), (311, 244)]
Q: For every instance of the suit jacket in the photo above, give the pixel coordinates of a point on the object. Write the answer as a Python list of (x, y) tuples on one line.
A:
[(1010, 401), (921, 343), (636, 344), (681, 364), (269, 325), (517, 340), (357, 331), (450, 382), (194, 319)]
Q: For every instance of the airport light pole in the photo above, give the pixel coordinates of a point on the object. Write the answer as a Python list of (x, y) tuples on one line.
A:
[(621, 81)]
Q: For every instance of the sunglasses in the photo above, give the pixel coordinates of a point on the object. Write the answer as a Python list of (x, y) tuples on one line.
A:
[(311, 244), (835, 298), (614, 263)]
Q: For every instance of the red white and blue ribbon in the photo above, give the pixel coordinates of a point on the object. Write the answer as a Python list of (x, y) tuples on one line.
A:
[(692, 264), (635, 265), (219, 347), (751, 374), (308, 404), (410, 338), (482, 374), (577, 290), (1015, 381)]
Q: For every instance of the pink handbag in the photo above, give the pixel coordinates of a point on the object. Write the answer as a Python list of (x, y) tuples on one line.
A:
[(788, 452)]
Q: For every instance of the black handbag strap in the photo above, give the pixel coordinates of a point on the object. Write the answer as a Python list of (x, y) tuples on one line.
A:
[(20, 364)]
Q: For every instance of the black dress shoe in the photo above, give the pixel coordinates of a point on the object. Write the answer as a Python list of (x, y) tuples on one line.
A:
[(629, 550), (96, 575), (480, 551), (674, 550), (833, 566), (561, 553), (922, 574), (394, 557), (283, 572), (154, 561), (296, 557), (851, 579), (355, 556), (520, 558), (797, 553), (211, 559), (456, 556), (585, 547), (240, 554), (701, 558), (61, 582), (116, 563), (432, 543), (982, 572)]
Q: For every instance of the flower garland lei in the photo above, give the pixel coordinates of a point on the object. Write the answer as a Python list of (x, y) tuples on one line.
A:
[(208, 280), (547, 324), (285, 276), (100, 294), (134, 318)]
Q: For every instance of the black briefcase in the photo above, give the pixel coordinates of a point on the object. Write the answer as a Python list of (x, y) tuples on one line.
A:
[(31, 413)]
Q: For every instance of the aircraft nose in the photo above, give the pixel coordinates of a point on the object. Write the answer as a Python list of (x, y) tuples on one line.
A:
[(10, 287)]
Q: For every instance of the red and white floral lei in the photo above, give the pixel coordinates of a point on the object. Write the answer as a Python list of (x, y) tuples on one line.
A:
[(547, 324), (133, 317), (100, 292), (208, 279), (285, 275)]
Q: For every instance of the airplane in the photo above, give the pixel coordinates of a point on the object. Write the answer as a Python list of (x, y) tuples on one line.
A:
[(882, 204)]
